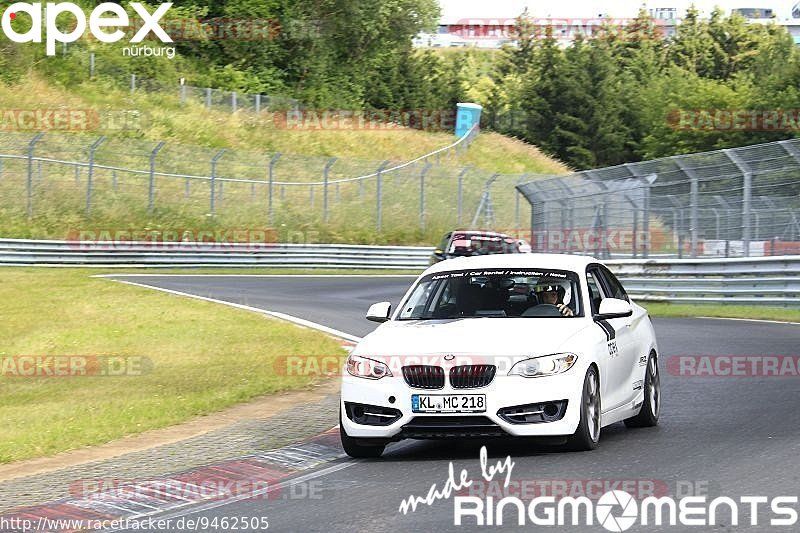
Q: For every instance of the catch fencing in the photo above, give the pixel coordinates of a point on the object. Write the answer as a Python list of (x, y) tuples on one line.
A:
[(726, 203), (117, 179)]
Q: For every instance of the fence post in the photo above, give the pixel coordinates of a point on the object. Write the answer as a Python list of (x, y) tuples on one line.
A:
[(151, 188), (214, 177), (311, 195), (460, 195), (77, 174), (647, 181), (31, 146), (517, 221), (233, 101), (325, 171), (133, 83), (422, 174), (183, 93), (378, 199), (747, 176), (208, 97), (258, 103), (693, 204), (92, 152), (271, 177), (114, 180), (91, 65)]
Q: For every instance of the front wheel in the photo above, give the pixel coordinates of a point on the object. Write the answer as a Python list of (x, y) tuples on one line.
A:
[(357, 448), (587, 436), (648, 415)]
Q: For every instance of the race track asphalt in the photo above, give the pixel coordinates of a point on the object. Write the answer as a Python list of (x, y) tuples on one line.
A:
[(718, 436)]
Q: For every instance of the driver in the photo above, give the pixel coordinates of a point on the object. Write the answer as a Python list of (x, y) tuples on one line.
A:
[(555, 292)]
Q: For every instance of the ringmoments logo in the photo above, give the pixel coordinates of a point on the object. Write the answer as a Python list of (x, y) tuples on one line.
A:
[(101, 23)]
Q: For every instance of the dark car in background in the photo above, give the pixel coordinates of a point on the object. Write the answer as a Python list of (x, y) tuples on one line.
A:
[(467, 243)]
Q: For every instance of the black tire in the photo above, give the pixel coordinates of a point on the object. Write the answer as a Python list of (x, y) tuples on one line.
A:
[(587, 436), (358, 448), (651, 408)]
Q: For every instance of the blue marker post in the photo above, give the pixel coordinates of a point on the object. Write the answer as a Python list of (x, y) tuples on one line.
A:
[(467, 115)]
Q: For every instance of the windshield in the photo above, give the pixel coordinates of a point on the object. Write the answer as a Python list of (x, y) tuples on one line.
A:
[(468, 244), (494, 293)]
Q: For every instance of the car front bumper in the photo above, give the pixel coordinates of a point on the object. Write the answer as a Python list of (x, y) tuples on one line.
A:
[(504, 392)]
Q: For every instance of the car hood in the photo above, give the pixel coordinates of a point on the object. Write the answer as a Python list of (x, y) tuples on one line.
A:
[(488, 337)]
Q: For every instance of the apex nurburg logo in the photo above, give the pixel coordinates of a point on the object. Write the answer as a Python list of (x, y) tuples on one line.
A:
[(97, 22)]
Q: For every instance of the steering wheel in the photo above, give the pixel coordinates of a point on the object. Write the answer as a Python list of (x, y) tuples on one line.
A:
[(542, 310)]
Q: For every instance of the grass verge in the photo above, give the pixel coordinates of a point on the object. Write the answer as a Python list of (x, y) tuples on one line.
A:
[(202, 357), (120, 199), (754, 312)]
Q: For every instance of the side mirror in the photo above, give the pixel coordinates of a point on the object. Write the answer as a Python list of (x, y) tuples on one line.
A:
[(379, 312), (613, 308)]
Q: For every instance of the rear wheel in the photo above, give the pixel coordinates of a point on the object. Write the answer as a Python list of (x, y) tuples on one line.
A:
[(587, 436), (359, 448), (648, 415)]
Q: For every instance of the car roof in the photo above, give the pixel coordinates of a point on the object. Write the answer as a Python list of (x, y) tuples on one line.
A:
[(480, 232), (574, 263)]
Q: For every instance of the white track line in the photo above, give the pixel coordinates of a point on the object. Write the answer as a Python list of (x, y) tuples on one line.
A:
[(282, 316), (750, 320)]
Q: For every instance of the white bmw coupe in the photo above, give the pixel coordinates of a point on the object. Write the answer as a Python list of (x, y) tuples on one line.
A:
[(502, 345)]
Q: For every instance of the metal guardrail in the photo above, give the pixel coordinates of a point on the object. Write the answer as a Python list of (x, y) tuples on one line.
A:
[(17, 252), (763, 280)]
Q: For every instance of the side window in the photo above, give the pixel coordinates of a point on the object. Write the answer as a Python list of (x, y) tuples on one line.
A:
[(595, 292), (615, 288), (443, 245)]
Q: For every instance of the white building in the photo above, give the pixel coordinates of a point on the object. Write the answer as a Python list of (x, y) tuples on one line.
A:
[(490, 25)]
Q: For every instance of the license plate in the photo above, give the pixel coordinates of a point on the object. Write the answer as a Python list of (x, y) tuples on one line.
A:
[(448, 403)]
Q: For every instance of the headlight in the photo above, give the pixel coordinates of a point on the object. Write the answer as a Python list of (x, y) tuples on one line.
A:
[(361, 367), (548, 365)]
